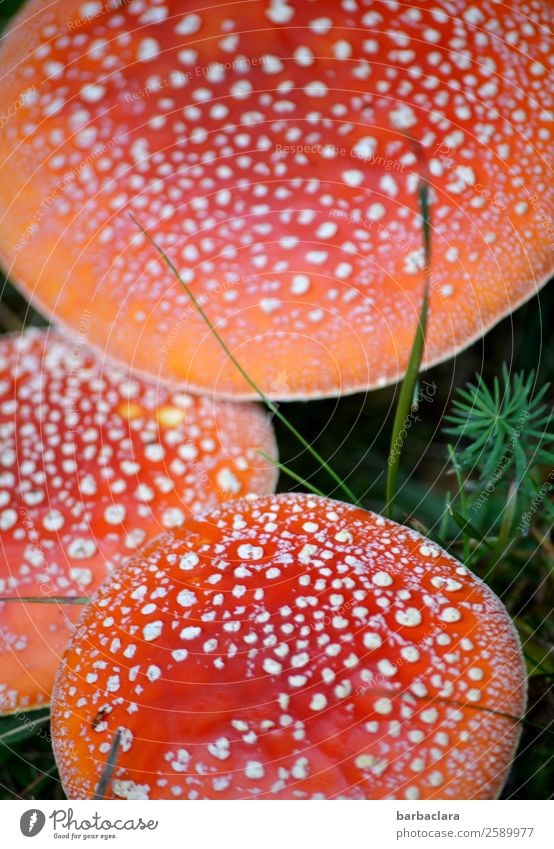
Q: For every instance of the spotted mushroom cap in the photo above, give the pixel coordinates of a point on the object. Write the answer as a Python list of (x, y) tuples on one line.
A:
[(291, 647), (265, 144), (94, 462)]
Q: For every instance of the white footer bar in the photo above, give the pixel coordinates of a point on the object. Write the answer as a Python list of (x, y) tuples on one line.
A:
[(277, 825)]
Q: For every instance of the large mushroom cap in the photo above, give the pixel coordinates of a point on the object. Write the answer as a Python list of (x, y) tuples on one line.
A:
[(291, 647), (94, 461), (265, 144)]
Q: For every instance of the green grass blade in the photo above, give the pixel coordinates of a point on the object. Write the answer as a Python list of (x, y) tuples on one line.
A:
[(408, 384), (35, 599), (505, 540), (39, 781), (24, 728), (291, 474), (467, 528), (269, 404)]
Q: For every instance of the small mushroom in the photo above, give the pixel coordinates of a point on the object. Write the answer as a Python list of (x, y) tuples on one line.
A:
[(267, 146), (94, 461), (296, 647)]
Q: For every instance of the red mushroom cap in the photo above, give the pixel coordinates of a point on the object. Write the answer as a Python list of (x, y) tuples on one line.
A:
[(265, 145), (95, 461), (291, 647)]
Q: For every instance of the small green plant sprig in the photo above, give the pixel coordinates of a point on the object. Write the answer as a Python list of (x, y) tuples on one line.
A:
[(503, 456), (505, 429)]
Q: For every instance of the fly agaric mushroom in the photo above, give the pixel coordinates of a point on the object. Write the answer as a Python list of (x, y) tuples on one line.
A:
[(267, 145), (291, 647), (93, 462)]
